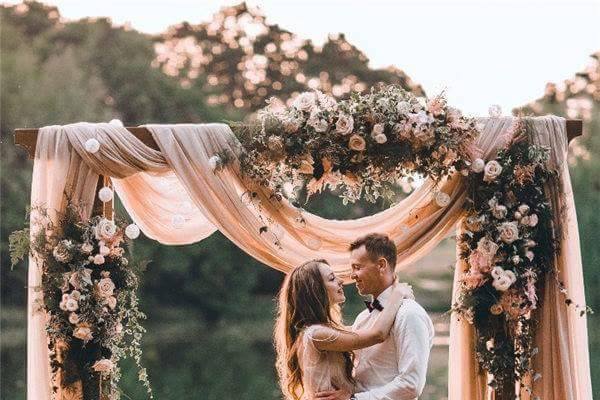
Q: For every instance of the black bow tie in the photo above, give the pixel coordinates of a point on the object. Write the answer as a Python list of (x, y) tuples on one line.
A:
[(374, 305)]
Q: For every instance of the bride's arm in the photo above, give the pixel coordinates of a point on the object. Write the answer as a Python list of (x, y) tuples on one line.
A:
[(325, 338)]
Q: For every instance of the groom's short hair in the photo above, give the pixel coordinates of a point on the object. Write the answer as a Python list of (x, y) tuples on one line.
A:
[(377, 245)]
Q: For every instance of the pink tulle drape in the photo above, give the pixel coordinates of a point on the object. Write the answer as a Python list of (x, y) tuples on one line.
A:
[(178, 184)]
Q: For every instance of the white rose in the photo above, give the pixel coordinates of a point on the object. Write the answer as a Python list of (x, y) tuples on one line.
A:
[(105, 229), (99, 259), (104, 250), (478, 165), (491, 171), (104, 365), (381, 139), (305, 101), (344, 124), (509, 232), (523, 209), (320, 125)]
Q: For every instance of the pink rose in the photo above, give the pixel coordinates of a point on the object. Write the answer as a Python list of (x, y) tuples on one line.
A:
[(480, 261), (105, 287), (509, 232), (83, 332), (357, 143)]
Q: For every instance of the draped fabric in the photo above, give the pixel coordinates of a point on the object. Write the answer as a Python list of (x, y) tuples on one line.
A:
[(177, 183)]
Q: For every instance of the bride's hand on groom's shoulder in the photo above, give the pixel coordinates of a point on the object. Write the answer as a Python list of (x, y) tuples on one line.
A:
[(403, 290)]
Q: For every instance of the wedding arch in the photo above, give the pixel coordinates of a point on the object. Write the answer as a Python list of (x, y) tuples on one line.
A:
[(180, 183)]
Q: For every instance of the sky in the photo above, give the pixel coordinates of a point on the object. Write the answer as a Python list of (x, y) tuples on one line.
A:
[(480, 53)]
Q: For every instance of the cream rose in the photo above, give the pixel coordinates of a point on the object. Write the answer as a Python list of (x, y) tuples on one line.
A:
[(491, 171), (319, 124), (105, 229), (344, 124), (357, 143), (99, 259), (509, 231)]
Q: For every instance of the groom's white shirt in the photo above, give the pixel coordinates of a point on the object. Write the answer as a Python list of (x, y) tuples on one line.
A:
[(395, 369)]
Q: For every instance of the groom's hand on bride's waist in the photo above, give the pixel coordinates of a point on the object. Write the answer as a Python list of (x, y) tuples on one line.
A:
[(340, 394)]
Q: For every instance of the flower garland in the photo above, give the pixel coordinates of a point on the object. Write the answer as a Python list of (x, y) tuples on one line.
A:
[(90, 297), (508, 243), (363, 145)]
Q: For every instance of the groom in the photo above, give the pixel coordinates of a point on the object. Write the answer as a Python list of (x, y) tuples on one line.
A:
[(395, 369)]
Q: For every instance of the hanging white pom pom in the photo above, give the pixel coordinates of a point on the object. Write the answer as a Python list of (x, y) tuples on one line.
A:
[(105, 194), (132, 231), (478, 165), (314, 243), (214, 162), (92, 145), (187, 207), (177, 221), (495, 111), (442, 199), (116, 122)]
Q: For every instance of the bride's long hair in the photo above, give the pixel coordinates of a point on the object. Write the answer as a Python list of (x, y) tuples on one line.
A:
[(303, 301)]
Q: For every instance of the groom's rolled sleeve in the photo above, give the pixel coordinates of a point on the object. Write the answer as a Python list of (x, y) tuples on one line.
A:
[(413, 336)]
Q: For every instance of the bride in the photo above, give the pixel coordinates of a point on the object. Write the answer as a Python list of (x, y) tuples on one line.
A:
[(314, 348)]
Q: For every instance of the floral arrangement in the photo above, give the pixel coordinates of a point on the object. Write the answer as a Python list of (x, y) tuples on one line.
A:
[(363, 145), (90, 298), (507, 241)]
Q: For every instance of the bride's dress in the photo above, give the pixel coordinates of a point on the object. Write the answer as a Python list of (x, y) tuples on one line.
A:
[(321, 369)]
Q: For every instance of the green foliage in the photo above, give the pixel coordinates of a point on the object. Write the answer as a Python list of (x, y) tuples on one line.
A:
[(18, 245)]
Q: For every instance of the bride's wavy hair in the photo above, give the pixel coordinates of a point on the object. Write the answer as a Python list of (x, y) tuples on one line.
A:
[(303, 301)]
